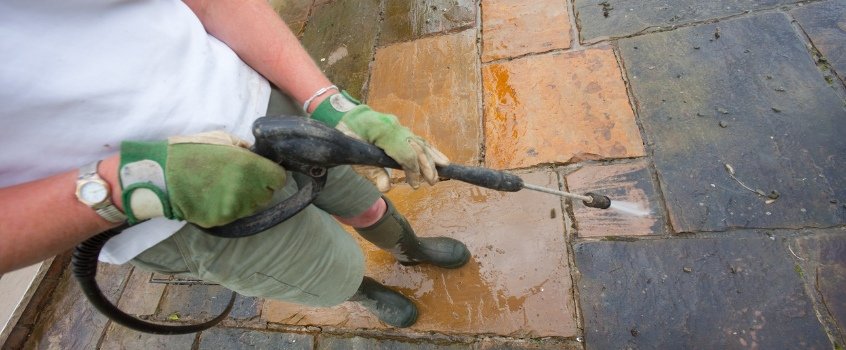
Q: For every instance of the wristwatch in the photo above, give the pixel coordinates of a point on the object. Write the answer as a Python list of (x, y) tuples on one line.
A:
[(94, 192)]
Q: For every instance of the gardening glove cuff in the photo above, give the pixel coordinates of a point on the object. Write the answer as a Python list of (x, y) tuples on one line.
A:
[(207, 179), (359, 121)]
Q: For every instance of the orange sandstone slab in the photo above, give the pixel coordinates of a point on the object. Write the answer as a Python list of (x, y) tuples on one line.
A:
[(558, 108), (517, 283), (432, 86), (512, 28)]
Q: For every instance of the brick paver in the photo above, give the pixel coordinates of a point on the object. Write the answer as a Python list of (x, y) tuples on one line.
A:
[(558, 108), (628, 184), (512, 28)]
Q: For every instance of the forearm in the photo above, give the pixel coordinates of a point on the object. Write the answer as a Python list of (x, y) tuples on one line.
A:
[(43, 218), (256, 33)]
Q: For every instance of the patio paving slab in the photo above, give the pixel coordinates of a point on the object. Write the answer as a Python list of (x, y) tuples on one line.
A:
[(69, 321), (517, 283), (202, 302), (432, 86), (121, 338), (140, 296), (702, 293), (629, 184), (603, 19), (408, 20), (233, 338), (746, 93), (823, 260), (512, 28), (293, 12), (359, 343), (344, 55), (557, 108), (825, 24)]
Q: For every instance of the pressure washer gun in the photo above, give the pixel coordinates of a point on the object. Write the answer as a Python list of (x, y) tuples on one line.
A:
[(310, 148)]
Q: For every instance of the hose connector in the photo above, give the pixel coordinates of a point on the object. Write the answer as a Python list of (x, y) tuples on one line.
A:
[(597, 201)]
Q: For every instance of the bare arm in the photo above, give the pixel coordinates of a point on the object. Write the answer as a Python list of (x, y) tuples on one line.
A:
[(43, 218), (256, 33)]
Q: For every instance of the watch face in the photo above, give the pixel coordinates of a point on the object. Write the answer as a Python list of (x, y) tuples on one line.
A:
[(93, 192)]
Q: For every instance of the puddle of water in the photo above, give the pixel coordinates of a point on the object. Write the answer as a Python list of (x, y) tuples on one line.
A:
[(628, 208)]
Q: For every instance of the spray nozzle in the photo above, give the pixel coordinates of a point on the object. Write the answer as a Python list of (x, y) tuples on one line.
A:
[(597, 201)]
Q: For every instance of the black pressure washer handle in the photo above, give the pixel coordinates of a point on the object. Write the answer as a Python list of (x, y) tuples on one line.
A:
[(295, 142)]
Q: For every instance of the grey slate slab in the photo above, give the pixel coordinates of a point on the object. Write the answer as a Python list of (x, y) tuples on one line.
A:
[(233, 338), (743, 92), (823, 257), (825, 24), (69, 321), (359, 343), (341, 37), (196, 303), (600, 19), (694, 293), (122, 338), (407, 20)]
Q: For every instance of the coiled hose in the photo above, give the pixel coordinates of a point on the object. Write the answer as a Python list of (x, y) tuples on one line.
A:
[(84, 268)]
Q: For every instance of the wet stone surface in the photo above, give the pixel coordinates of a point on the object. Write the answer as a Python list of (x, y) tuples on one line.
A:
[(141, 297), (825, 24), (821, 258), (512, 28), (628, 185), (69, 321), (203, 302), (407, 20), (441, 105), (703, 293), (343, 54), (762, 107), (601, 19), (359, 343), (293, 12), (517, 282), (119, 337), (231, 338), (557, 108)]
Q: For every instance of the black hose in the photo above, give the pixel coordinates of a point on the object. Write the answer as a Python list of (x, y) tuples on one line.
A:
[(84, 268)]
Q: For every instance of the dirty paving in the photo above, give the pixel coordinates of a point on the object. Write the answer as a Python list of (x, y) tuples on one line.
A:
[(721, 120)]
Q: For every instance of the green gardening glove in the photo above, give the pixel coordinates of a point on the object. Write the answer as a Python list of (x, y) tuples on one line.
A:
[(359, 121), (207, 179)]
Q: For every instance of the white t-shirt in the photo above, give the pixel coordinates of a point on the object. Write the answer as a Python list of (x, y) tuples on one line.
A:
[(80, 76)]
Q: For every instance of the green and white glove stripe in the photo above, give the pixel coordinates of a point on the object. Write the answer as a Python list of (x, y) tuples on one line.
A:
[(332, 109), (142, 178)]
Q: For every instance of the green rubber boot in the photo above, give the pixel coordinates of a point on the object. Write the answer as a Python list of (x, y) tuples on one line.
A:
[(393, 234), (391, 307)]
